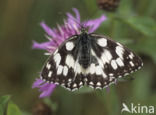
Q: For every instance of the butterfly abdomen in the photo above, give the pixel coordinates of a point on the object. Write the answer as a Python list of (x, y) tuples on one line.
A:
[(84, 58)]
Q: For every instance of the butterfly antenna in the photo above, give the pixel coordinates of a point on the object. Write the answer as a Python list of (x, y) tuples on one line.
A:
[(81, 26)]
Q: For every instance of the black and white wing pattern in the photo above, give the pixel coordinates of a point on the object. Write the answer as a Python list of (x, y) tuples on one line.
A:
[(112, 61), (89, 59), (62, 67)]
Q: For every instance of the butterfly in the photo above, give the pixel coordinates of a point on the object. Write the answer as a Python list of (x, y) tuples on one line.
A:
[(109, 5), (89, 59)]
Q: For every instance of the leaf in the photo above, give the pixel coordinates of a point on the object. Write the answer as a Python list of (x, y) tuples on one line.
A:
[(151, 8), (13, 109), (146, 46), (141, 84), (4, 99), (90, 6), (141, 87), (124, 9), (3, 103), (145, 25), (84, 89), (110, 100), (51, 104), (1, 110), (125, 41)]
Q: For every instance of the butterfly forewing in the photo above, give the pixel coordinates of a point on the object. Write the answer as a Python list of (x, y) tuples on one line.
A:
[(62, 64), (113, 60), (89, 59)]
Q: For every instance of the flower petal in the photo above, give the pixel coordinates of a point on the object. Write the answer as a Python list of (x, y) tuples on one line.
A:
[(49, 46), (40, 45), (94, 24), (45, 88), (37, 83), (77, 14), (48, 30), (48, 89)]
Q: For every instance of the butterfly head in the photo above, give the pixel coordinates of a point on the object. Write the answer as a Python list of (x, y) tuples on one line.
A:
[(83, 34), (83, 30)]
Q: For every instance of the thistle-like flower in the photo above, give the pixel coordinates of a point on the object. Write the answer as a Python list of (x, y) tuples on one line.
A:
[(57, 36)]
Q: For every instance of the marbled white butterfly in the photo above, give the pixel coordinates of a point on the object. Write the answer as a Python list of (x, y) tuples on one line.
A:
[(89, 59)]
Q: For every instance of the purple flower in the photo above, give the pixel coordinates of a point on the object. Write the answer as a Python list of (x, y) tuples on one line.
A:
[(72, 26), (45, 88)]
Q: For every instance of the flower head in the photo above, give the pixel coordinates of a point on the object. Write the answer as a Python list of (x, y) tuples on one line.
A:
[(72, 26)]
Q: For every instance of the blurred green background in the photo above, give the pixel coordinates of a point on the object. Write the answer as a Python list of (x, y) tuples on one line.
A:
[(133, 24)]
